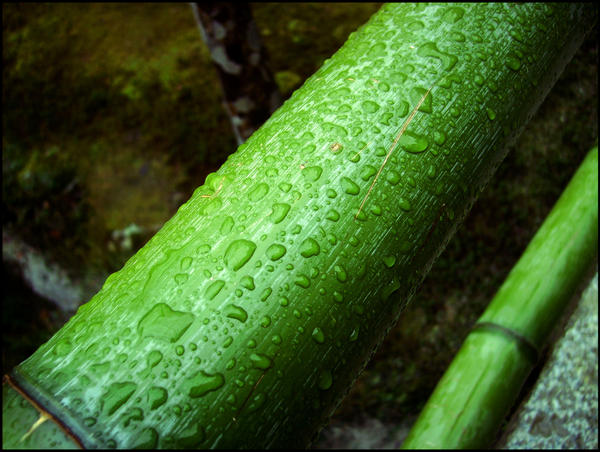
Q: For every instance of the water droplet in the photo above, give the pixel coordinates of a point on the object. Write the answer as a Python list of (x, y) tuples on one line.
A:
[(285, 187), (227, 225), (412, 142), (349, 186), (62, 348), (116, 395), (312, 173), (369, 106), (318, 336), (276, 339), (181, 278), (332, 215), (227, 342), (201, 383), (258, 192), (280, 211), (146, 439), (179, 350), (230, 364), (404, 204), (265, 321), (338, 297), (260, 361), (430, 49), (453, 14), (393, 177), (325, 380), (331, 193), (389, 261), (213, 290), (340, 273), (165, 323), (354, 334), (513, 63), (247, 282), (367, 172), (235, 312), (418, 95), (238, 253), (283, 301), (185, 263), (309, 248), (491, 114), (265, 294), (302, 281), (276, 251), (156, 396)]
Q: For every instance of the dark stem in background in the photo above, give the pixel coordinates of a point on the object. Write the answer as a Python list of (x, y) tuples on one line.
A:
[(250, 93)]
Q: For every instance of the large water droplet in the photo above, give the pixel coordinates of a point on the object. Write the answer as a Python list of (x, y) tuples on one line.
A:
[(309, 247), (156, 396), (165, 323), (280, 210), (238, 253), (116, 395), (213, 290), (201, 383), (227, 225), (413, 142), (235, 312), (260, 361), (258, 192), (430, 49), (349, 186), (312, 173), (275, 251)]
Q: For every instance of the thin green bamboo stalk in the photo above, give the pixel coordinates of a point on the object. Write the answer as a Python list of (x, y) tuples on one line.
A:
[(483, 381)]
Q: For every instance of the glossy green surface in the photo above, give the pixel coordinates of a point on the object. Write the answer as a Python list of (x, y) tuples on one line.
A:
[(472, 398), (246, 318), (22, 417)]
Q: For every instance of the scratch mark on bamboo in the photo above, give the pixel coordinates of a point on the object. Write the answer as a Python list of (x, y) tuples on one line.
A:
[(393, 146)]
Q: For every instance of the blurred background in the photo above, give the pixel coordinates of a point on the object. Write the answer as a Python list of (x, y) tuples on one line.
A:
[(112, 116)]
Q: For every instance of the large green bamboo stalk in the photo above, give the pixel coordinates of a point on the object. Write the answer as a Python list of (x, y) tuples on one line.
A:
[(247, 317), (484, 379)]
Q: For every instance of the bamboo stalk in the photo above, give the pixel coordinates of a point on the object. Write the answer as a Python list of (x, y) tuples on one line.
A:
[(483, 381)]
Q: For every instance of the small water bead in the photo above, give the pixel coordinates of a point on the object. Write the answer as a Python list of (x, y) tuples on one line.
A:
[(491, 114), (283, 301), (331, 193), (227, 342), (179, 350), (258, 192), (367, 172), (185, 263), (276, 339), (413, 143), (340, 273)]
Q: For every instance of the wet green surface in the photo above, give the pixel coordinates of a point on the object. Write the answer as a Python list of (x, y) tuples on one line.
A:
[(111, 116)]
